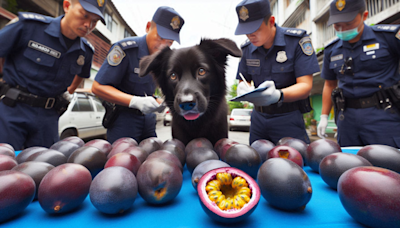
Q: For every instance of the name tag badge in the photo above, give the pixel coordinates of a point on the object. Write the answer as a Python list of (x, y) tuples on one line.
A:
[(336, 57), (136, 70), (43, 48), (253, 62), (370, 53), (371, 47)]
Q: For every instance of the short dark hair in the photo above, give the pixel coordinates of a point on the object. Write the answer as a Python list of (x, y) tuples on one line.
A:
[(266, 18)]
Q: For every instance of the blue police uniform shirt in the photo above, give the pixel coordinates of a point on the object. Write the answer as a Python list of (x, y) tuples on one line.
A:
[(375, 61), (291, 56), (37, 57), (121, 67)]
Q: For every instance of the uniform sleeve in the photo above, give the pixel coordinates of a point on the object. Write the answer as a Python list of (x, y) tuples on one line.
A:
[(242, 68), (327, 73), (88, 66), (114, 67), (306, 62), (9, 37), (394, 42)]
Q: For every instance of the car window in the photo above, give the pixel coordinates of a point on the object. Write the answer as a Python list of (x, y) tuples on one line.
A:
[(83, 105), (99, 106), (241, 112)]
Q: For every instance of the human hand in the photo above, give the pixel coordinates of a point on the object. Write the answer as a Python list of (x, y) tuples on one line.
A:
[(145, 104), (243, 88), (323, 123), (266, 97)]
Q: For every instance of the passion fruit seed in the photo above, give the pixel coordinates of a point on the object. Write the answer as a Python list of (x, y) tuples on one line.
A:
[(227, 193)]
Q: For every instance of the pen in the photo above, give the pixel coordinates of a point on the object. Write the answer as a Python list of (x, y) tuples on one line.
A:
[(241, 75)]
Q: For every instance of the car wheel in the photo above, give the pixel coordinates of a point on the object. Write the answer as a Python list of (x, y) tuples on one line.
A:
[(165, 123), (68, 133)]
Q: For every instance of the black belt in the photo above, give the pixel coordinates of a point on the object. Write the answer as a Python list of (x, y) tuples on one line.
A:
[(131, 110), (28, 98), (274, 109), (364, 102)]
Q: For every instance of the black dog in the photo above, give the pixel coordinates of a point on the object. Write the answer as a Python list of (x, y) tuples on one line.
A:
[(193, 82)]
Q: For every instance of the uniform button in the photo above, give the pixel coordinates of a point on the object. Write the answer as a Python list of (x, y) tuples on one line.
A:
[(335, 65), (374, 56), (282, 68), (38, 60)]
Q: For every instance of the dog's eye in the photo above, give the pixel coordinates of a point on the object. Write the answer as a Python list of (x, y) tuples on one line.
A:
[(201, 72), (173, 76)]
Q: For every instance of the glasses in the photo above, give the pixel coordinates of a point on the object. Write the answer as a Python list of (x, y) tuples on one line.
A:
[(347, 67)]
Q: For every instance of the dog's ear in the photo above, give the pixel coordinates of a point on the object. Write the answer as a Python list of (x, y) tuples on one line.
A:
[(152, 63), (220, 47)]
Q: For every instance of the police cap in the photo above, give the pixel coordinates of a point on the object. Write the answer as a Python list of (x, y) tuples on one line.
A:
[(251, 14), (344, 10), (95, 6), (169, 23)]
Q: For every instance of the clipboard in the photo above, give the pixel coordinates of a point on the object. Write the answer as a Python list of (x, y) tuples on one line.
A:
[(245, 97)]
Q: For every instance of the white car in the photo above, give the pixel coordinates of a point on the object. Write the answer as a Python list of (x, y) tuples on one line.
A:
[(83, 117), (240, 118)]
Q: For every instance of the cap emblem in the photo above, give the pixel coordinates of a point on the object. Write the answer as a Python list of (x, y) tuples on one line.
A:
[(243, 13), (100, 3), (175, 22), (340, 4)]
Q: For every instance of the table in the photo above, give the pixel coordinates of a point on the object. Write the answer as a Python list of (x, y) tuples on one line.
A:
[(324, 210)]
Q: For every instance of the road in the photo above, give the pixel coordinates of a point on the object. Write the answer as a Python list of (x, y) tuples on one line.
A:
[(164, 133)]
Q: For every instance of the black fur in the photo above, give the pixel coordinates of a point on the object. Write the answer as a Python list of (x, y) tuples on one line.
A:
[(206, 91)]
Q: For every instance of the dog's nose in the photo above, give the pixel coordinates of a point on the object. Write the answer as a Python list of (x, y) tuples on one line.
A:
[(186, 106)]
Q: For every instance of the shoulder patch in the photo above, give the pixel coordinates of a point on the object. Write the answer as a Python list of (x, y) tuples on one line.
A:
[(33, 16), (126, 44), (245, 43), (294, 32), (115, 56), (306, 45), (386, 28)]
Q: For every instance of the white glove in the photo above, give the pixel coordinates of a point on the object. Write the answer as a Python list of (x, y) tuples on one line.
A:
[(66, 95), (323, 123), (144, 104), (243, 88), (269, 96)]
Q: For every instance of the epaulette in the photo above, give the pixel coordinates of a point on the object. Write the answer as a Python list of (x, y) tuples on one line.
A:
[(386, 28), (85, 41), (245, 43), (294, 32), (333, 42), (128, 43), (33, 17)]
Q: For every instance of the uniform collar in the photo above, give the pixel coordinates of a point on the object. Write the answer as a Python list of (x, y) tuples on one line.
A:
[(367, 34), (279, 40), (54, 29), (143, 48)]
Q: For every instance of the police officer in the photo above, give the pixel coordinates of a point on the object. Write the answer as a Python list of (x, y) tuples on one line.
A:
[(282, 61), (363, 62), (43, 56), (118, 81)]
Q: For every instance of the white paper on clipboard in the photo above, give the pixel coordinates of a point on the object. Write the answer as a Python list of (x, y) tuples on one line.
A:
[(246, 97)]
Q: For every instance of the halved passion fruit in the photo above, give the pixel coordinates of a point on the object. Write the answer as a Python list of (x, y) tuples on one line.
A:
[(228, 194)]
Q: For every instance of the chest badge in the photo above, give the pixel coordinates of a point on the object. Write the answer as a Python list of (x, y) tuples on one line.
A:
[(281, 57), (81, 60)]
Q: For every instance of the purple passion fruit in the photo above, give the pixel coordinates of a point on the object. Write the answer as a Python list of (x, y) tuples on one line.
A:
[(24, 154), (74, 139), (196, 143), (262, 146), (151, 144), (158, 181), (334, 165), (219, 145), (125, 160), (16, 192), (64, 188), (113, 190), (245, 158), (7, 149), (65, 147), (228, 194), (137, 152), (204, 167), (297, 144), (284, 184), (319, 149), (198, 155), (371, 196), (382, 156), (90, 157), (7, 162), (286, 152), (53, 157), (166, 156), (176, 150), (101, 144), (128, 140), (176, 142)]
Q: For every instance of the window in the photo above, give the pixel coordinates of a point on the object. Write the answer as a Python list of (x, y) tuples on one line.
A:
[(99, 106), (127, 34), (111, 24), (82, 104)]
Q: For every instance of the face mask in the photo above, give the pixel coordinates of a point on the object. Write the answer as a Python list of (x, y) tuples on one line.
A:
[(348, 34)]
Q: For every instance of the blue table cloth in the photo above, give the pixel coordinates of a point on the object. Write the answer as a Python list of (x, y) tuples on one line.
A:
[(323, 210)]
